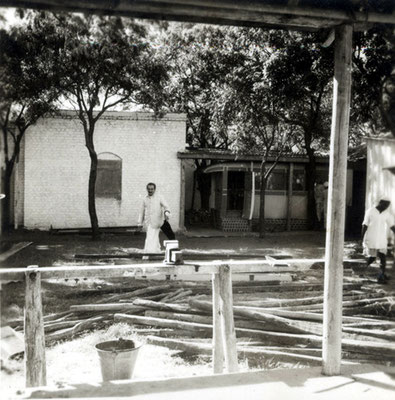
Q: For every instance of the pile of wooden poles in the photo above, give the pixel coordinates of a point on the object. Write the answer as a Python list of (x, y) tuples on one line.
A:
[(275, 321)]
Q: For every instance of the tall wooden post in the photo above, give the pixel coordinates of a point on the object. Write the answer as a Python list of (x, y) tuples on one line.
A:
[(182, 198), (224, 199), (35, 365), (289, 199), (334, 249), (218, 345), (228, 325)]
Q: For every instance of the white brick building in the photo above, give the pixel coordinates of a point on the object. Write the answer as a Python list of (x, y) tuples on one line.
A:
[(51, 178)]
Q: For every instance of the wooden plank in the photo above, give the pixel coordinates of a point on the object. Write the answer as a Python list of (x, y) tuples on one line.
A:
[(334, 247), (245, 351), (217, 345), (188, 13), (14, 249), (227, 12), (280, 9), (146, 269), (165, 323), (107, 307), (236, 277), (142, 269), (35, 365), (227, 321)]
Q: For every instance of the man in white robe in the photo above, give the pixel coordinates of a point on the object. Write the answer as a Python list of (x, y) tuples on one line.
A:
[(375, 230), (154, 211)]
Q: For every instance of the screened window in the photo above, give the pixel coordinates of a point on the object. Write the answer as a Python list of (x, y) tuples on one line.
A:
[(299, 180), (277, 180), (109, 176)]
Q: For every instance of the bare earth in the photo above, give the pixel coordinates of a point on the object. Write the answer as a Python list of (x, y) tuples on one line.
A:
[(76, 360)]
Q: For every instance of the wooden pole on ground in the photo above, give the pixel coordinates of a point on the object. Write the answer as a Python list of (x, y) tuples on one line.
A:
[(228, 325), (35, 366), (218, 345), (334, 249)]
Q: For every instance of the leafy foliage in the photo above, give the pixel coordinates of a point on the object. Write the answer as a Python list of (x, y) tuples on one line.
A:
[(27, 92)]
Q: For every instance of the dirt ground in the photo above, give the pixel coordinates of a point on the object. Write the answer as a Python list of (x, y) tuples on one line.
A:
[(53, 249)]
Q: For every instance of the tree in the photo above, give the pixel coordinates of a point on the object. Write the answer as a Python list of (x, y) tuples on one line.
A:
[(199, 58), (26, 94), (101, 63), (300, 74), (258, 123), (373, 101)]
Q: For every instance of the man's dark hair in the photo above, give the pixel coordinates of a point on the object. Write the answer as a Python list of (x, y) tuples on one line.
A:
[(151, 184), (383, 205)]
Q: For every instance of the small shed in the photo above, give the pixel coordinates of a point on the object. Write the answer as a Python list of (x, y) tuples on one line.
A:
[(380, 179), (235, 190)]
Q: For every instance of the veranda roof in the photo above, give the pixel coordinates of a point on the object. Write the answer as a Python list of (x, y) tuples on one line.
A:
[(311, 15)]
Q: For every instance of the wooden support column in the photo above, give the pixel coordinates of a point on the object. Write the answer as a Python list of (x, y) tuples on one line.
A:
[(182, 197), (35, 365), (228, 325), (218, 345), (224, 200), (289, 202), (334, 249)]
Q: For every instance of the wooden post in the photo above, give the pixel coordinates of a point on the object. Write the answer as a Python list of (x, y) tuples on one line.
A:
[(218, 345), (289, 202), (334, 249), (228, 325), (224, 200), (182, 198), (35, 366)]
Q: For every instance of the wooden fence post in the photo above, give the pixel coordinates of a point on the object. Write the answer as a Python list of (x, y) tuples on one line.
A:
[(334, 247), (35, 365), (228, 325), (218, 345)]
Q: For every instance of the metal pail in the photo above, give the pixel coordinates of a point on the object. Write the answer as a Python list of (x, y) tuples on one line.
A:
[(117, 358)]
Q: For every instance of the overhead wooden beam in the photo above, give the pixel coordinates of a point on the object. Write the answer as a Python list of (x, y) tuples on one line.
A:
[(334, 248), (174, 11), (222, 12), (290, 9)]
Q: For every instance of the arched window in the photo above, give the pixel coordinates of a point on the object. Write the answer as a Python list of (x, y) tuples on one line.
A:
[(109, 176)]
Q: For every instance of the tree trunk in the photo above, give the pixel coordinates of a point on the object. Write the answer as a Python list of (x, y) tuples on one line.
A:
[(89, 129), (6, 206), (91, 195), (262, 201), (310, 181), (9, 168)]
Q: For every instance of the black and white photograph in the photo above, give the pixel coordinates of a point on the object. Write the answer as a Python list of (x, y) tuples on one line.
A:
[(197, 199)]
